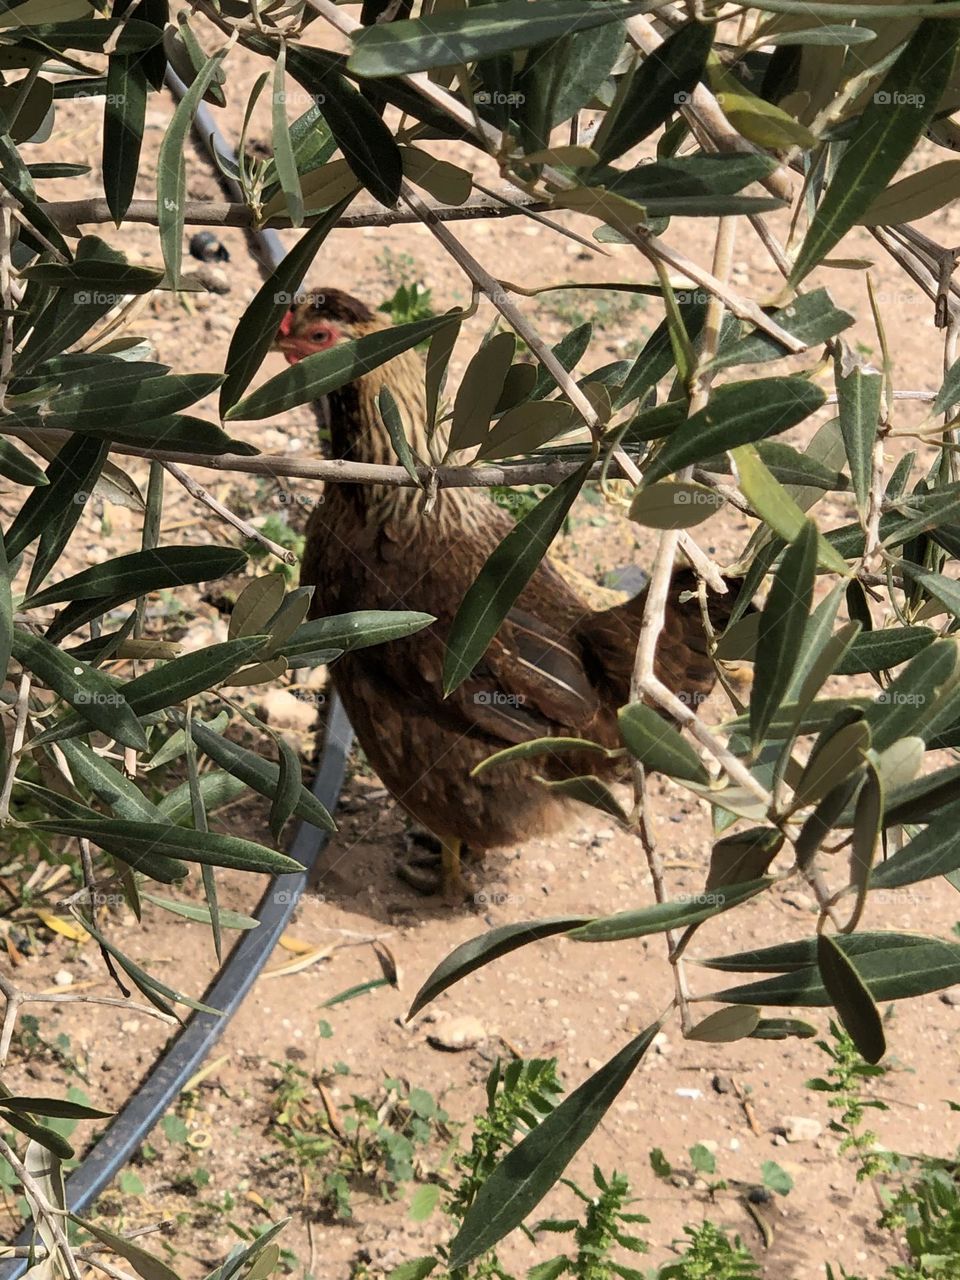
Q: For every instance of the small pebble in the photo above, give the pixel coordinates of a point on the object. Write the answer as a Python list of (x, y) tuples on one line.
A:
[(801, 1128), (457, 1034)]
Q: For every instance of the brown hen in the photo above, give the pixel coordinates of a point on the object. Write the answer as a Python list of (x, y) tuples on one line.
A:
[(556, 667)]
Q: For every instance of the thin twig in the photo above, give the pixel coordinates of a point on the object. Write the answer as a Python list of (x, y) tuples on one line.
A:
[(16, 998), (6, 298), (495, 292), (48, 1212), (16, 747), (215, 505)]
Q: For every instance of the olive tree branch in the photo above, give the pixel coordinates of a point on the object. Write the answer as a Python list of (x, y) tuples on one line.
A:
[(50, 1213)]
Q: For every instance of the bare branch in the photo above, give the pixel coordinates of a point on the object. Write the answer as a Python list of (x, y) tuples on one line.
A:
[(50, 1213), (216, 506), (68, 215)]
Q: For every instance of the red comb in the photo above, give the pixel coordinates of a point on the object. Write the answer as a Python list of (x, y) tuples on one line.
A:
[(286, 324)]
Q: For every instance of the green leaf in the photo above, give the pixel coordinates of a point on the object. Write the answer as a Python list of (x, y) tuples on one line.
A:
[(909, 704), (949, 393), (325, 371), (262, 776), (129, 402), (832, 761), (828, 34), (146, 1265), (367, 144), (556, 79), (858, 394), (919, 800), (171, 168), (537, 747), (124, 114), (108, 784), (675, 914), (122, 838), (588, 790), (684, 179), (283, 156), (775, 506), (190, 674), (892, 966), (934, 852), (781, 634), (914, 197), (569, 351), (825, 816), (658, 745), (201, 915), (477, 952), (287, 795), (674, 504), (852, 999), (257, 327), (737, 414), (131, 36), (504, 575), (867, 825), (735, 1022), (256, 605), (812, 317), (759, 121), (61, 1108), (6, 618), (526, 427), (745, 855), (140, 572), (390, 413), (214, 790), (788, 957), (527, 1173), (479, 390), (16, 466), (358, 989), (438, 358), (58, 505), (663, 81), (881, 650), (942, 588), (41, 1133), (85, 688), (347, 632), (885, 135), (450, 38), (447, 183), (176, 432), (422, 1203), (157, 992)]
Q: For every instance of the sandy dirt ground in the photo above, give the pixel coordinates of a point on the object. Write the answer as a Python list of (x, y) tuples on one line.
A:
[(218, 1167)]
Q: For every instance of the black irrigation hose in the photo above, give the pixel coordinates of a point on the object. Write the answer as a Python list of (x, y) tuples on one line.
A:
[(187, 1052)]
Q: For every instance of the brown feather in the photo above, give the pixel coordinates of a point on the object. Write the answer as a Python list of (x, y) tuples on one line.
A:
[(556, 667)]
